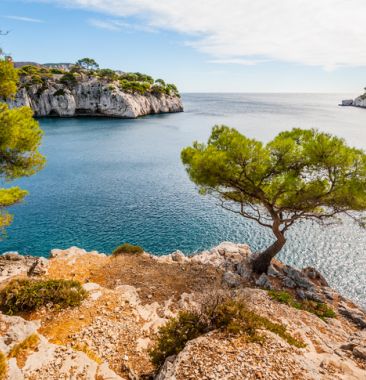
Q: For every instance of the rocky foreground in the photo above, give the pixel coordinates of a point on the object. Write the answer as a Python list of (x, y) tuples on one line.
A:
[(131, 296), (91, 96)]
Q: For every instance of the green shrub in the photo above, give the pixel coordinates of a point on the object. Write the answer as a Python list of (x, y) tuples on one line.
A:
[(320, 309), (137, 77), (134, 86), (59, 92), (28, 295), (232, 316), (175, 334), (28, 70), (36, 79), (68, 79), (57, 71), (3, 367), (108, 74), (127, 248)]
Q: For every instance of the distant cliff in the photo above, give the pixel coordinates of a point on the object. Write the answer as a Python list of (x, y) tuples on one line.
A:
[(53, 92), (360, 101)]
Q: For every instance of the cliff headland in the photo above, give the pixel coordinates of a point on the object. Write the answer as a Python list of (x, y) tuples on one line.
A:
[(71, 91)]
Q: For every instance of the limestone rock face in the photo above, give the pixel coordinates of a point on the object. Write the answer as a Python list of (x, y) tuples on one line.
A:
[(92, 97), (360, 101)]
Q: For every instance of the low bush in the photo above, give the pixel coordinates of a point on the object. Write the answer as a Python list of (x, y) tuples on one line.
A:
[(320, 309), (28, 295), (127, 248), (68, 79), (175, 334), (59, 92), (56, 71), (230, 315)]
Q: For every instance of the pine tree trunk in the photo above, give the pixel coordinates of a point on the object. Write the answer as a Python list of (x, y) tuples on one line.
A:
[(263, 260)]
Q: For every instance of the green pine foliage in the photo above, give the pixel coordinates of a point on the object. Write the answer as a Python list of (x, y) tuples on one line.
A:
[(300, 174), (20, 138)]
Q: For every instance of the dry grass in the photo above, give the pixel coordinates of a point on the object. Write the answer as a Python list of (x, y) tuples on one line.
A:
[(3, 367), (156, 281), (83, 347), (21, 350)]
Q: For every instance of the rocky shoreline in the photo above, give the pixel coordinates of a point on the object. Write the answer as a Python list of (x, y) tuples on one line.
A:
[(91, 96), (131, 296)]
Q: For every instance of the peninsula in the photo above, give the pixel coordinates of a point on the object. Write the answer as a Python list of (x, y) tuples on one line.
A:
[(85, 90)]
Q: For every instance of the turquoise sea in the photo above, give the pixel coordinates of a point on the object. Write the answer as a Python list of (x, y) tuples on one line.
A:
[(108, 181)]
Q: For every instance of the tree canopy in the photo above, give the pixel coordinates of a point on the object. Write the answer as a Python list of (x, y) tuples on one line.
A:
[(20, 137), (300, 174), (87, 63)]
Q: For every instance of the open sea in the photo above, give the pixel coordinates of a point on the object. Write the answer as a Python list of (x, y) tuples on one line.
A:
[(108, 181)]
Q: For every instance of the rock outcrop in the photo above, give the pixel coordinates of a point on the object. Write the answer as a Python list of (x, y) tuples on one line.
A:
[(130, 296), (91, 96), (360, 101)]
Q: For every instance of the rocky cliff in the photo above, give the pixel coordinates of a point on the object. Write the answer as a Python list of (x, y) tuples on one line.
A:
[(90, 96), (130, 296), (360, 101)]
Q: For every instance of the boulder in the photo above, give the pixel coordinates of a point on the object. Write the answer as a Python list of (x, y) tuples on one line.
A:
[(264, 282), (314, 275), (231, 279)]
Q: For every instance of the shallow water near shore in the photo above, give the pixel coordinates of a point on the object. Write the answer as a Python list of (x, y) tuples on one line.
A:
[(108, 181)]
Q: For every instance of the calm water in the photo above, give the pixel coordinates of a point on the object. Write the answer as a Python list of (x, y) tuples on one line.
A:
[(111, 181)]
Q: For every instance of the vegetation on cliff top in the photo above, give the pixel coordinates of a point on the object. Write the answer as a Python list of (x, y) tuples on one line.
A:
[(87, 67), (300, 174)]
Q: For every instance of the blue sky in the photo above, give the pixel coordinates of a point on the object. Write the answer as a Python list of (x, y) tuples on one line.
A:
[(212, 46)]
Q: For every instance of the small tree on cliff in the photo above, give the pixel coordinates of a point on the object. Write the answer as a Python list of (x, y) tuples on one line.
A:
[(87, 63), (20, 137), (300, 174)]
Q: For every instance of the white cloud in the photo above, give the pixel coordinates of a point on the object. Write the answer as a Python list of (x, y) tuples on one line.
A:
[(237, 61), (26, 19), (327, 33), (118, 25), (104, 24)]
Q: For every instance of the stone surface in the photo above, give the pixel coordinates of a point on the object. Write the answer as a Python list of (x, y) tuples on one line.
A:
[(108, 337), (231, 279)]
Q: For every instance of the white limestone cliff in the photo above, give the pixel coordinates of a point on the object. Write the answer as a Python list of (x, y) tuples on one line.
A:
[(91, 96)]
